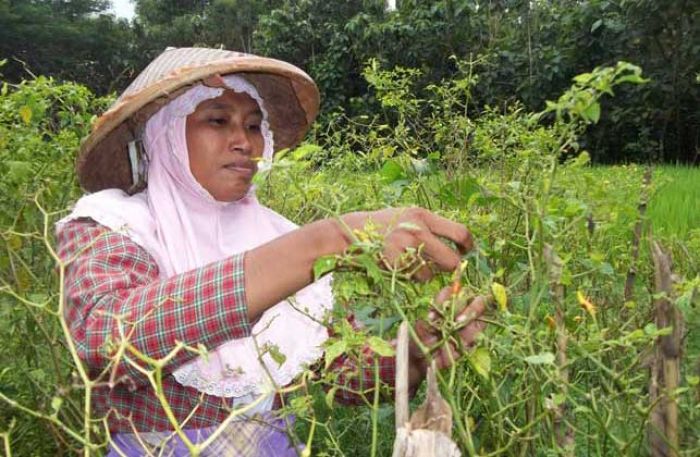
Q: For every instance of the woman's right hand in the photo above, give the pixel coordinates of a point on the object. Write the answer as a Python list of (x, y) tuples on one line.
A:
[(411, 228), (283, 266)]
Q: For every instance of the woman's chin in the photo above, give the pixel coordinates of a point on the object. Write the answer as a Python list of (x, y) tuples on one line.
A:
[(230, 196)]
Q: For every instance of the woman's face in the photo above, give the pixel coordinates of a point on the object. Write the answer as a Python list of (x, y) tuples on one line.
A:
[(224, 143)]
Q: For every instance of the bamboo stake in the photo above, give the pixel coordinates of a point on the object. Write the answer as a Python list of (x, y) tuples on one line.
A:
[(665, 375), (427, 433), (401, 385), (563, 431), (642, 208)]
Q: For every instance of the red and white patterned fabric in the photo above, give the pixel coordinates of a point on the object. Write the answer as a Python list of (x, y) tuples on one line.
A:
[(113, 293)]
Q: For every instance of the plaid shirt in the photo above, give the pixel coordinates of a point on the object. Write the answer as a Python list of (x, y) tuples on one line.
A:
[(111, 282)]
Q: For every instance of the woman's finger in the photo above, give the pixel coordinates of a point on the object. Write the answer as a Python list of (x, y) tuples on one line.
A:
[(425, 333), (454, 231), (444, 295), (469, 333), (447, 355), (474, 310), (434, 249), (396, 257)]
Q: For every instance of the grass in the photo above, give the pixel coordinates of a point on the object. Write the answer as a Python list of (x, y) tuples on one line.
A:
[(611, 195), (675, 208)]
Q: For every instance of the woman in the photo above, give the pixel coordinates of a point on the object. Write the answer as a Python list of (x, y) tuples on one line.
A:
[(172, 249)]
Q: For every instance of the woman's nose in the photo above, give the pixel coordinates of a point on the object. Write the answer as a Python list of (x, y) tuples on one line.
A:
[(239, 141)]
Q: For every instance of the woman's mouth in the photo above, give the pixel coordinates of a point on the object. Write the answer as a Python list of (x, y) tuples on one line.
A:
[(244, 170)]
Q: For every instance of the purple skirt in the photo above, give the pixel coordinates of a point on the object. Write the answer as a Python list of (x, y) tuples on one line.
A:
[(249, 438)]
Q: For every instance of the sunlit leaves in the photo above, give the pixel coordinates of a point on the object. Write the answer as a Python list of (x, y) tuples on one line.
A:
[(334, 350), (544, 358), (324, 265), (274, 351), (380, 346), (500, 295), (480, 361), (25, 112), (581, 102)]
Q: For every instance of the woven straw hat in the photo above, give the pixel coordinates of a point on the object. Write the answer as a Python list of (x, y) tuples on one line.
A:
[(107, 155)]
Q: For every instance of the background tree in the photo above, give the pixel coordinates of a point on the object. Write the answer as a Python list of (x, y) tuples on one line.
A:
[(229, 24), (519, 49), (526, 50), (74, 41)]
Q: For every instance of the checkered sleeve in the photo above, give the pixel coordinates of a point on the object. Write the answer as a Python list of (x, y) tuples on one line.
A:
[(113, 293), (356, 375)]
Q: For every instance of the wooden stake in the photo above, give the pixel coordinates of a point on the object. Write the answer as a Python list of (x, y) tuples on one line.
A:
[(642, 208), (665, 368), (401, 386), (427, 433), (563, 431)]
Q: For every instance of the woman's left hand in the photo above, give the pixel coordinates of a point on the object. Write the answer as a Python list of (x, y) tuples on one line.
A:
[(468, 324)]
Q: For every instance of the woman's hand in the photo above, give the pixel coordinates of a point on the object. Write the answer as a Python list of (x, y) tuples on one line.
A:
[(283, 266), (468, 324), (411, 228)]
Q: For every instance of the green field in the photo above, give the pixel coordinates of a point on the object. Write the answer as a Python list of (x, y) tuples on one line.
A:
[(675, 207)]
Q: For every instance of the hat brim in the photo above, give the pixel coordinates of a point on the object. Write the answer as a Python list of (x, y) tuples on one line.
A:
[(291, 100)]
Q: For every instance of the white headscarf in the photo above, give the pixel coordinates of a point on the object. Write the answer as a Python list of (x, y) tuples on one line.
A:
[(183, 227)]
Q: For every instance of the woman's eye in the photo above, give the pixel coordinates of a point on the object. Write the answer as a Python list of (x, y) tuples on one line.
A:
[(217, 121), (254, 127)]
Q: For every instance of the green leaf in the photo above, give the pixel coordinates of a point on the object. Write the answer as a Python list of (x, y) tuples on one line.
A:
[(371, 267), (330, 396), (38, 299), (499, 293), (323, 265), (596, 24), (334, 351), (391, 172), (18, 171), (380, 346), (583, 78), (25, 112), (56, 403), (634, 79), (664, 331), (279, 155), (650, 328), (592, 112), (559, 399), (544, 358), (14, 242), (276, 354), (305, 150), (38, 374), (607, 269), (480, 360), (635, 335)]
